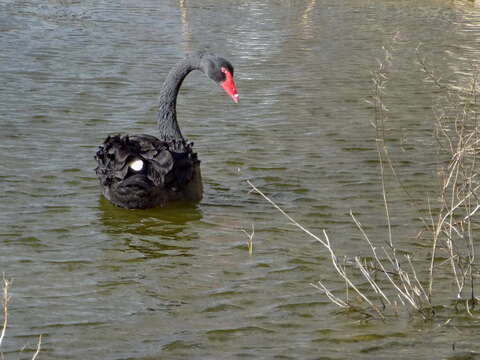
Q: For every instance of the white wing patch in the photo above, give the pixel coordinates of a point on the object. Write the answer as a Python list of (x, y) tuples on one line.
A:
[(136, 165)]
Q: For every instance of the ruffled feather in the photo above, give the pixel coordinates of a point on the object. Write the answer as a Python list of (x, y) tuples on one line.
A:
[(167, 166)]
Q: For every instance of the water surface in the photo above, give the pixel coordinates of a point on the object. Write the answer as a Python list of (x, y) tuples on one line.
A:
[(106, 283)]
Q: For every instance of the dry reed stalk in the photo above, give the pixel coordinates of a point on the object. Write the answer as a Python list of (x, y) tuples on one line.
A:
[(451, 226), (335, 299), (5, 300), (408, 292), (457, 132), (38, 347), (326, 243), (250, 239)]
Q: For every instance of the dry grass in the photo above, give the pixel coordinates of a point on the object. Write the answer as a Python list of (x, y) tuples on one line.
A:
[(394, 280), (5, 302), (250, 239), (452, 227)]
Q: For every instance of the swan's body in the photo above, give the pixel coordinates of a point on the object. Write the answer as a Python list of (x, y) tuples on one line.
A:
[(142, 171)]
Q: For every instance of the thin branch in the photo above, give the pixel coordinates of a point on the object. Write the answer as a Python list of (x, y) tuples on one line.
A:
[(326, 244), (379, 262), (38, 347), (250, 239), (5, 301), (335, 299)]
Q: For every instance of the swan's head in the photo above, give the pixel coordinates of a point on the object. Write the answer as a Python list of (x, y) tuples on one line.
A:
[(221, 71)]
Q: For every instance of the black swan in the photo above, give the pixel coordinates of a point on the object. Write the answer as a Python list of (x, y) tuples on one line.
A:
[(142, 171)]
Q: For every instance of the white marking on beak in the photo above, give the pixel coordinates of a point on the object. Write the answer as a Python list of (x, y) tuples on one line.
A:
[(136, 165)]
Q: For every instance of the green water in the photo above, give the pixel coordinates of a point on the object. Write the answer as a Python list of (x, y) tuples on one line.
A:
[(100, 282)]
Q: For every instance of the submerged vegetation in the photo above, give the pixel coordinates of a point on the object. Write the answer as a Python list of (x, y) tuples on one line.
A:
[(393, 279)]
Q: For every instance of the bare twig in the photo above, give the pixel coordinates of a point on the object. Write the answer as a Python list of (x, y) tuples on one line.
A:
[(326, 243), (401, 293), (250, 239), (335, 299), (38, 347), (5, 301)]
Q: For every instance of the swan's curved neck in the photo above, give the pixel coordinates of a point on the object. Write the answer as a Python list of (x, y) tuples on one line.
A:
[(167, 108)]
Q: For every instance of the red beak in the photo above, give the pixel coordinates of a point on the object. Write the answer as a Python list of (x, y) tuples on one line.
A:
[(229, 86)]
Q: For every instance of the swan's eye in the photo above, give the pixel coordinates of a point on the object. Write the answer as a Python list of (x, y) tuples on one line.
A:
[(136, 165)]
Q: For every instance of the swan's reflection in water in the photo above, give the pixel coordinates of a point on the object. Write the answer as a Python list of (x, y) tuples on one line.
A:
[(153, 232)]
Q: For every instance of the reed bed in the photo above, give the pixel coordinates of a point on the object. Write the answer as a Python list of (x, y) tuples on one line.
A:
[(395, 280)]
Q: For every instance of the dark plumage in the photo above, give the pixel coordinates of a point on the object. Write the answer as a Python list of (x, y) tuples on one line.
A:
[(142, 171)]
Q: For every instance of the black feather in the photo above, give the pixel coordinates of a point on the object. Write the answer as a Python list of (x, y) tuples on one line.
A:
[(168, 170)]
